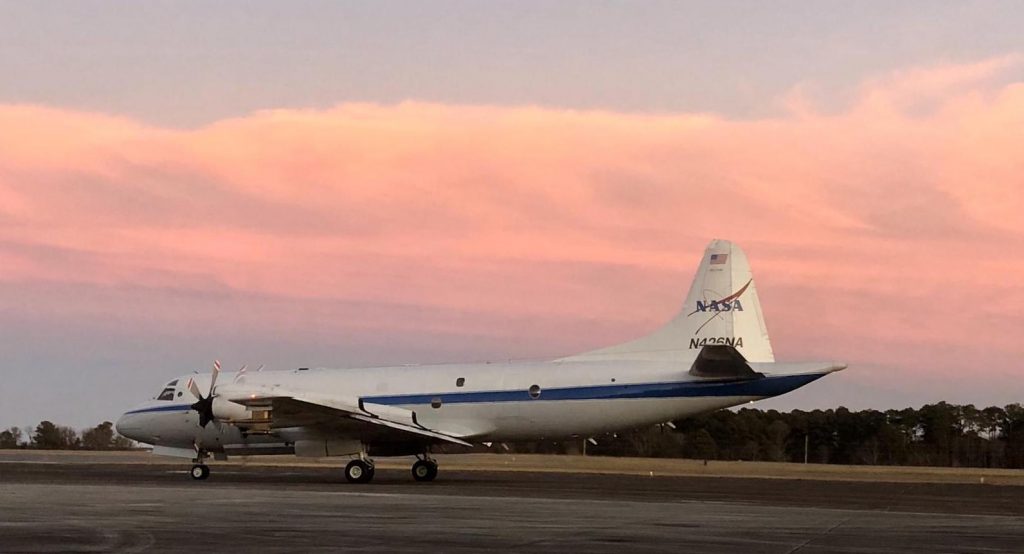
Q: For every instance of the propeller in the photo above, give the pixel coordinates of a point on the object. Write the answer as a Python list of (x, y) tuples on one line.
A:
[(204, 405)]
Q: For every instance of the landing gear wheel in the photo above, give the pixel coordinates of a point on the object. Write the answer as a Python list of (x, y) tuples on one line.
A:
[(359, 471), (424, 470), (200, 472)]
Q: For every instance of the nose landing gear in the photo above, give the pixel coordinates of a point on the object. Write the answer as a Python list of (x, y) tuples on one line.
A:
[(199, 471)]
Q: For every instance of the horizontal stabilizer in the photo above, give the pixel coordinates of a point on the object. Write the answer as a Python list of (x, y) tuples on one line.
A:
[(798, 368), (722, 362)]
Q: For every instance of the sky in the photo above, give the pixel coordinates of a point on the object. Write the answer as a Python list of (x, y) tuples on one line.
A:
[(339, 184)]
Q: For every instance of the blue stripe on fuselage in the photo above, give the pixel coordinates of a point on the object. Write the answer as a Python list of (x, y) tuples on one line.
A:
[(767, 386), (168, 408)]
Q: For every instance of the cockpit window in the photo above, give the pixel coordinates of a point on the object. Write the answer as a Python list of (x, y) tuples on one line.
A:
[(168, 392)]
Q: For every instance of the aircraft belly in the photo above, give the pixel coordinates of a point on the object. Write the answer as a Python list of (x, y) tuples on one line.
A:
[(592, 417), (533, 419)]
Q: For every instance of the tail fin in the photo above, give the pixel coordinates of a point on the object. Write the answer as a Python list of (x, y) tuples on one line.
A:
[(721, 308)]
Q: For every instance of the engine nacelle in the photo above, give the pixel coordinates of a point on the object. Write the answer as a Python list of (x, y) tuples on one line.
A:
[(226, 410)]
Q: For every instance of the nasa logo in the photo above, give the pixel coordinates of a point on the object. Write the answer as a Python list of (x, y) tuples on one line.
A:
[(727, 341), (730, 303), (719, 306)]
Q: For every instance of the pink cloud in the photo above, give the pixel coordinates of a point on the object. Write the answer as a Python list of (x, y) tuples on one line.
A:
[(890, 228)]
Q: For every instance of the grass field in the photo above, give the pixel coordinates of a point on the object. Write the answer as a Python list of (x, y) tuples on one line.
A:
[(581, 464)]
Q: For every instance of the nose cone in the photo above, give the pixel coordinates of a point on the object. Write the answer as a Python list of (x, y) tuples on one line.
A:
[(121, 426), (127, 426)]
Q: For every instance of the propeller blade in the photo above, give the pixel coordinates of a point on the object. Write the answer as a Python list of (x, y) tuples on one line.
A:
[(194, 389), (240, 374), (204, 406), (213, 378)]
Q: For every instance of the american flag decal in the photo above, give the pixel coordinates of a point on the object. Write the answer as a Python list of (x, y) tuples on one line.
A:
[(719, 258)]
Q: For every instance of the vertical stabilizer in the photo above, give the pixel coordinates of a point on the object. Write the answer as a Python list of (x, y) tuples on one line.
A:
[(721, 308)]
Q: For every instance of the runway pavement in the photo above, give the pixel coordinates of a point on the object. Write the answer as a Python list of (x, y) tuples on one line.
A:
[(50, 506)]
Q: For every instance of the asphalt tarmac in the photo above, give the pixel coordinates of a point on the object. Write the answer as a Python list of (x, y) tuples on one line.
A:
[(100, 507)]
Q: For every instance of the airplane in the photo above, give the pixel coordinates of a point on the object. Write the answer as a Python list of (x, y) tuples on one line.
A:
[(714, 354)]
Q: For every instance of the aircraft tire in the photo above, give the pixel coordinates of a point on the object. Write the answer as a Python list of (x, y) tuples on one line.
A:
[(200, 472), (359, 471), (424, 470)]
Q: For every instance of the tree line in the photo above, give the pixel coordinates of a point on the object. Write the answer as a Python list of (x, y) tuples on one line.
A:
[(939, 434), (50, 436)]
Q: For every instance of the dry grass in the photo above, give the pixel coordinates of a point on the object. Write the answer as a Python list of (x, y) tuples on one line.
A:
[(589, 464)]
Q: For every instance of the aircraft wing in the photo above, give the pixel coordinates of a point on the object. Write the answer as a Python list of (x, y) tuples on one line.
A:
[(351, 417)]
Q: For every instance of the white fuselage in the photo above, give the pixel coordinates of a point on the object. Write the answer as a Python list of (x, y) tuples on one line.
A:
[(485, 402)]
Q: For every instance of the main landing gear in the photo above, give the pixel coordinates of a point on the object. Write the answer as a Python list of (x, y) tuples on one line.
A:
[(425, 469), (359, 470), (200, 472)]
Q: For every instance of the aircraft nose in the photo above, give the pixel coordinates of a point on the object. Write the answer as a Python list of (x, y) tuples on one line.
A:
[(126, 427), (119, 425)]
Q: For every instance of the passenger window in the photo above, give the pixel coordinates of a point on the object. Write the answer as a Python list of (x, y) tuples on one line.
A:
[(460, 381), (534, 391)]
